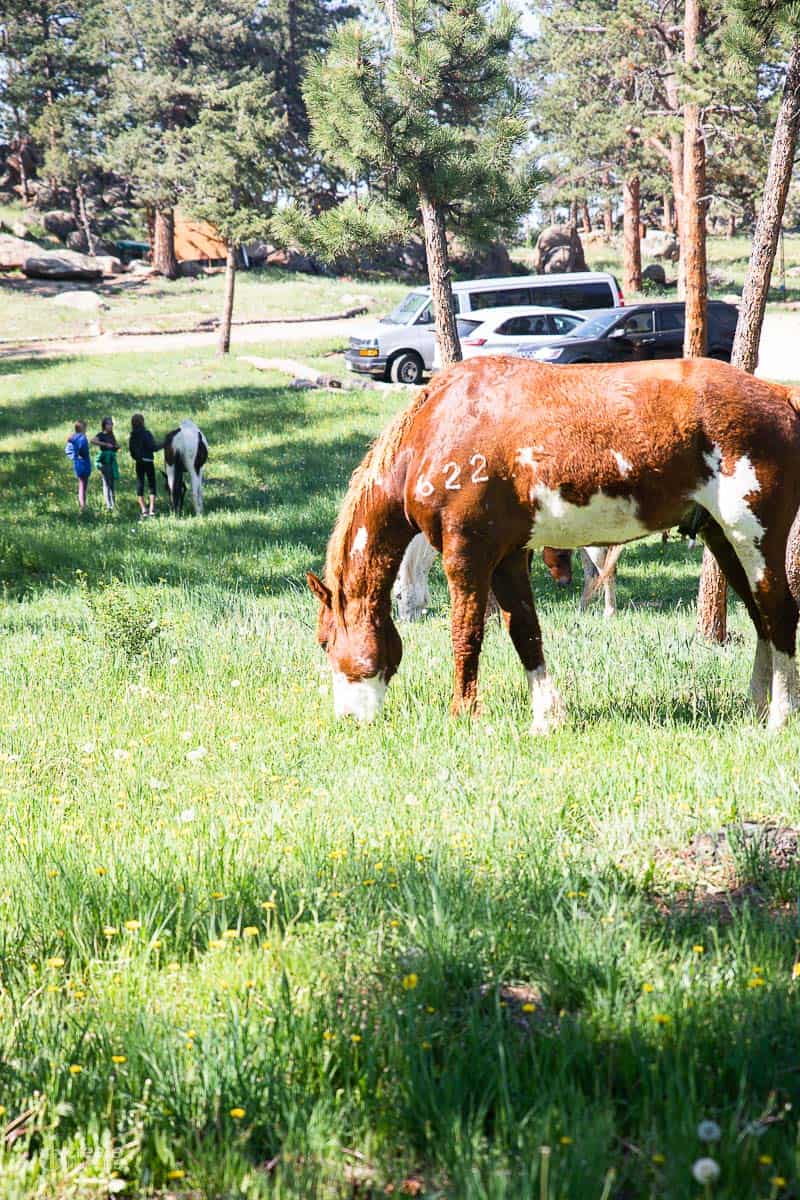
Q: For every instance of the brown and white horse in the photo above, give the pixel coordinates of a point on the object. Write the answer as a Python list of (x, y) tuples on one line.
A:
[(498, 456)]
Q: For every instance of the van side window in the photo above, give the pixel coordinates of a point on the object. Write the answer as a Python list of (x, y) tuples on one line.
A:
[(500, 298), (426, 316), (582, 295)]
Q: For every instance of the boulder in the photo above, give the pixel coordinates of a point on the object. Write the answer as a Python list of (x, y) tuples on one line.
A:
[(109, 264), (61, 264), (59, 222), (84, 301), (190, 270), (559, 250), (292, 260), (661, 244), (138, 266), (656, 274), (14, 251)]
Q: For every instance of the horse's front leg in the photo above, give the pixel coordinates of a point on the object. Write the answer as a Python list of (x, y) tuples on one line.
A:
[(468, 580)]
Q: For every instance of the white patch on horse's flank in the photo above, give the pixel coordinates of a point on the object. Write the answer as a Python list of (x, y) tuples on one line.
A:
[(359, 541), (625, 467), (359, 698), (784, 689), (525, 457), (546, 703), (724, 497), (761, 678), (566, 526)]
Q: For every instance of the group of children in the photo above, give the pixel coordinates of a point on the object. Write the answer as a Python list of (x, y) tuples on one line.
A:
[(142, 446)]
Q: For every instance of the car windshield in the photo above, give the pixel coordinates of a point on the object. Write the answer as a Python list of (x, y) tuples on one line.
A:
[(407, 309), (597, 326)]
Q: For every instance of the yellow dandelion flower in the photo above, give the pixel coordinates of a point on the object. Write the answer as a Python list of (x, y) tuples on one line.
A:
[(217, 895), (662, 1018), (110, 930), (156, 943), (565, 1141), (355, 1037), (251, 931), (778, 1181), (176, 1173), (659, 1160), (425, 1045), (75, 1068), (119, 1058), (237, 1113), (55, 963), (52, 874), (327, 1036), (699, 949), (269, 904), (756, 982), (796, 971), (101, 870), (410, 982), (648, 987), (216, 943), (765, 1160), (230, 934), (758, 970), (528, 1007), (132, 926), (395, 924), (2, 1110), (173, 966)]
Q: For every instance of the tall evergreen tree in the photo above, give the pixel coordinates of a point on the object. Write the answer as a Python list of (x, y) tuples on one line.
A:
[(233, 182), (432, 124)]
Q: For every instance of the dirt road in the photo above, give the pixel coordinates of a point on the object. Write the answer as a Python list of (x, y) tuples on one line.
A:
[(779, 357)]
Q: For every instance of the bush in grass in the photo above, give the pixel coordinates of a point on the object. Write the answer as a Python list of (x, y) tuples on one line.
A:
[(124, 618)]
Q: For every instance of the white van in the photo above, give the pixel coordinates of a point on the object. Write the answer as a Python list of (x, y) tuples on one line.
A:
[(401, 346)]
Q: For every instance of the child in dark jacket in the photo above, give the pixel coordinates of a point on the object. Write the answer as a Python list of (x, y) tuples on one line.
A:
[(77, 448), (143, 446), (106, 461)]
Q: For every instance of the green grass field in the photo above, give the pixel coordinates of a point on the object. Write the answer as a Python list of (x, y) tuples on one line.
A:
[(248, 952)]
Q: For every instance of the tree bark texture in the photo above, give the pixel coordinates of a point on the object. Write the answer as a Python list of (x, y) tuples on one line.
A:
[(632, 250), (587, 220), (164, 259), (770, 216), (84, 219), (608, 219), (440, 280), (676, 171), (227, 303)]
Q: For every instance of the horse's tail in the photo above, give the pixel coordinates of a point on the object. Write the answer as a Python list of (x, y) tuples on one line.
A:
[(606, 571)]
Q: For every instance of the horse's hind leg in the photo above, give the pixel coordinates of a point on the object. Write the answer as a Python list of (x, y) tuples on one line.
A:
[(779, 611), (511, 584), (734, 572)]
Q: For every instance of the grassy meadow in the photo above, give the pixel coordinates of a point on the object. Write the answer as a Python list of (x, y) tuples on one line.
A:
[(246, 951)]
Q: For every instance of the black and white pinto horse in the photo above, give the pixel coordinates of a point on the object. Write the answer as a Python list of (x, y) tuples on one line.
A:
[(185, 453)]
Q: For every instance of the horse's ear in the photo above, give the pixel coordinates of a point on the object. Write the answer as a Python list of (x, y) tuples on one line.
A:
[(319, 589)]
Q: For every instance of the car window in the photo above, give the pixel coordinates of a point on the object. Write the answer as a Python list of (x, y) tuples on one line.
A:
[(561, 325), (403, 313), (524, 326), (464, 327), (426, 316), (671, 320), (500, 298), (640, 322), (575, 295)]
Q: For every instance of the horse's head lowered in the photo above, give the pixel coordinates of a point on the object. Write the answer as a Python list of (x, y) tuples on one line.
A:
[(364, 653)]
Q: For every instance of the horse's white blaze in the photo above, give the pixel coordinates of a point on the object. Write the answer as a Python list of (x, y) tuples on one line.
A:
[(359, 541), (761, 678), (360, 698), (725, 497), (625, 467), (566, 526), (411, 586), (546, 703)]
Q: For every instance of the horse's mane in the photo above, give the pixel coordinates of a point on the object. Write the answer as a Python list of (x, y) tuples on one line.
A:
[(374, 466)]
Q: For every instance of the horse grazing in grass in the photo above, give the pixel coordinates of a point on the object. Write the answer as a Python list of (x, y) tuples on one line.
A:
[(498, 456), (185, 453)]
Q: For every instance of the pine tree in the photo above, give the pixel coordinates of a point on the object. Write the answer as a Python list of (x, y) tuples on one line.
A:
[(755, 25), (233, 182), (431, 124)]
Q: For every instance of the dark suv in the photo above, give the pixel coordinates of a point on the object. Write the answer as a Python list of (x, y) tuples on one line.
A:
[(639, 332)]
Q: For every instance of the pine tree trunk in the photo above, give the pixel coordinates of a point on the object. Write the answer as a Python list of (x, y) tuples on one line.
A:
[(587, 220), (770, 216), (573, 213), (676, 170), (227, 304), (632, 250), (84, 219), (731, 230), (608, 219), (440, 280), (667, 223), (164, 259)]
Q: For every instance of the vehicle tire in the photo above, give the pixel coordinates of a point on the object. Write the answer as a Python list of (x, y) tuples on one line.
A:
[(407, 367)]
